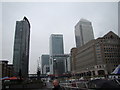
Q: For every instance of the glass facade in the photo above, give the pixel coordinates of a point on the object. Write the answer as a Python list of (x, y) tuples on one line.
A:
[(83, 32), (44, 61), (59, 63), (56, 44), (21, 47), (56, 49)]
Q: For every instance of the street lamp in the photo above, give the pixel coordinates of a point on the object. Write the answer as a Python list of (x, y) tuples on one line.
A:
[(55, 66), (66, 65)]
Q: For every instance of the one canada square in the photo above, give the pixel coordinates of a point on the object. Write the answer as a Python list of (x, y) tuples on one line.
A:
[(83, 32), (21, 48)]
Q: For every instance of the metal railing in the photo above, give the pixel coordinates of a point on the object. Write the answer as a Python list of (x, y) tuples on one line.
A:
[(74, 85)]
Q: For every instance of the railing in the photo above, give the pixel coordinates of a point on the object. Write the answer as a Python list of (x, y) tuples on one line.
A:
[(74, 85)]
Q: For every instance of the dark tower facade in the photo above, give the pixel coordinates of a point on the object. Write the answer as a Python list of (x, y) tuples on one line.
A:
[(21, 48)]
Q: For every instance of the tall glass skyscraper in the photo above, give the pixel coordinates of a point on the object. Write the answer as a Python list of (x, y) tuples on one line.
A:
[(83, 32), (44, 61), (21, 48), (56, 44), (56, 54)]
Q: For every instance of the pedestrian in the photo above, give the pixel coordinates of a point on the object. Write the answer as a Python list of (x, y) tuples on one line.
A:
[(56, 85)]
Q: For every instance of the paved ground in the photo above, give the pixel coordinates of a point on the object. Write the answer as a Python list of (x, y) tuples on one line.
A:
[(48, 86)]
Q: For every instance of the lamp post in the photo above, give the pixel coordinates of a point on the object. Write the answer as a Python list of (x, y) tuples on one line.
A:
[(55, 66), (66, 65)]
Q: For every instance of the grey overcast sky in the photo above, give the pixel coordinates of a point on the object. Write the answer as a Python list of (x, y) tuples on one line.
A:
[(50, 17)]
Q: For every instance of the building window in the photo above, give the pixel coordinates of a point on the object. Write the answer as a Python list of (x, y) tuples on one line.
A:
[(111, 37)]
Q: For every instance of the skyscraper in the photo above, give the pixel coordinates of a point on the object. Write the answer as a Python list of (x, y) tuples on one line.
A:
[(83, 32), (56, 44), (44, 62), (56, 54), (21, 48)]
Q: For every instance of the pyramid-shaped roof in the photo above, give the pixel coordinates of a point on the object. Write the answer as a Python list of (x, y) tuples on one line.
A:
[(109, 34), (84, 20)]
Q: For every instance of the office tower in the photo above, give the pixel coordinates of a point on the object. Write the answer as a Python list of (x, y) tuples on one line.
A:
[(56, 44), (46, 69), (21, 48), (56, 54), (59, 63), (44, 61), (67, 63), (83, 32)]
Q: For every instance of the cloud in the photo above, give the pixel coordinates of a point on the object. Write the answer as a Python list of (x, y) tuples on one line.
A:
[(48, 18)]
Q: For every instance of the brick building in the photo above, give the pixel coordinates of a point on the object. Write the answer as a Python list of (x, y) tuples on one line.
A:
[(98, 57)]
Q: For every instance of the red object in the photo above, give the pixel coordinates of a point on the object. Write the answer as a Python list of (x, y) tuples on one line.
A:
[(11, 78)]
